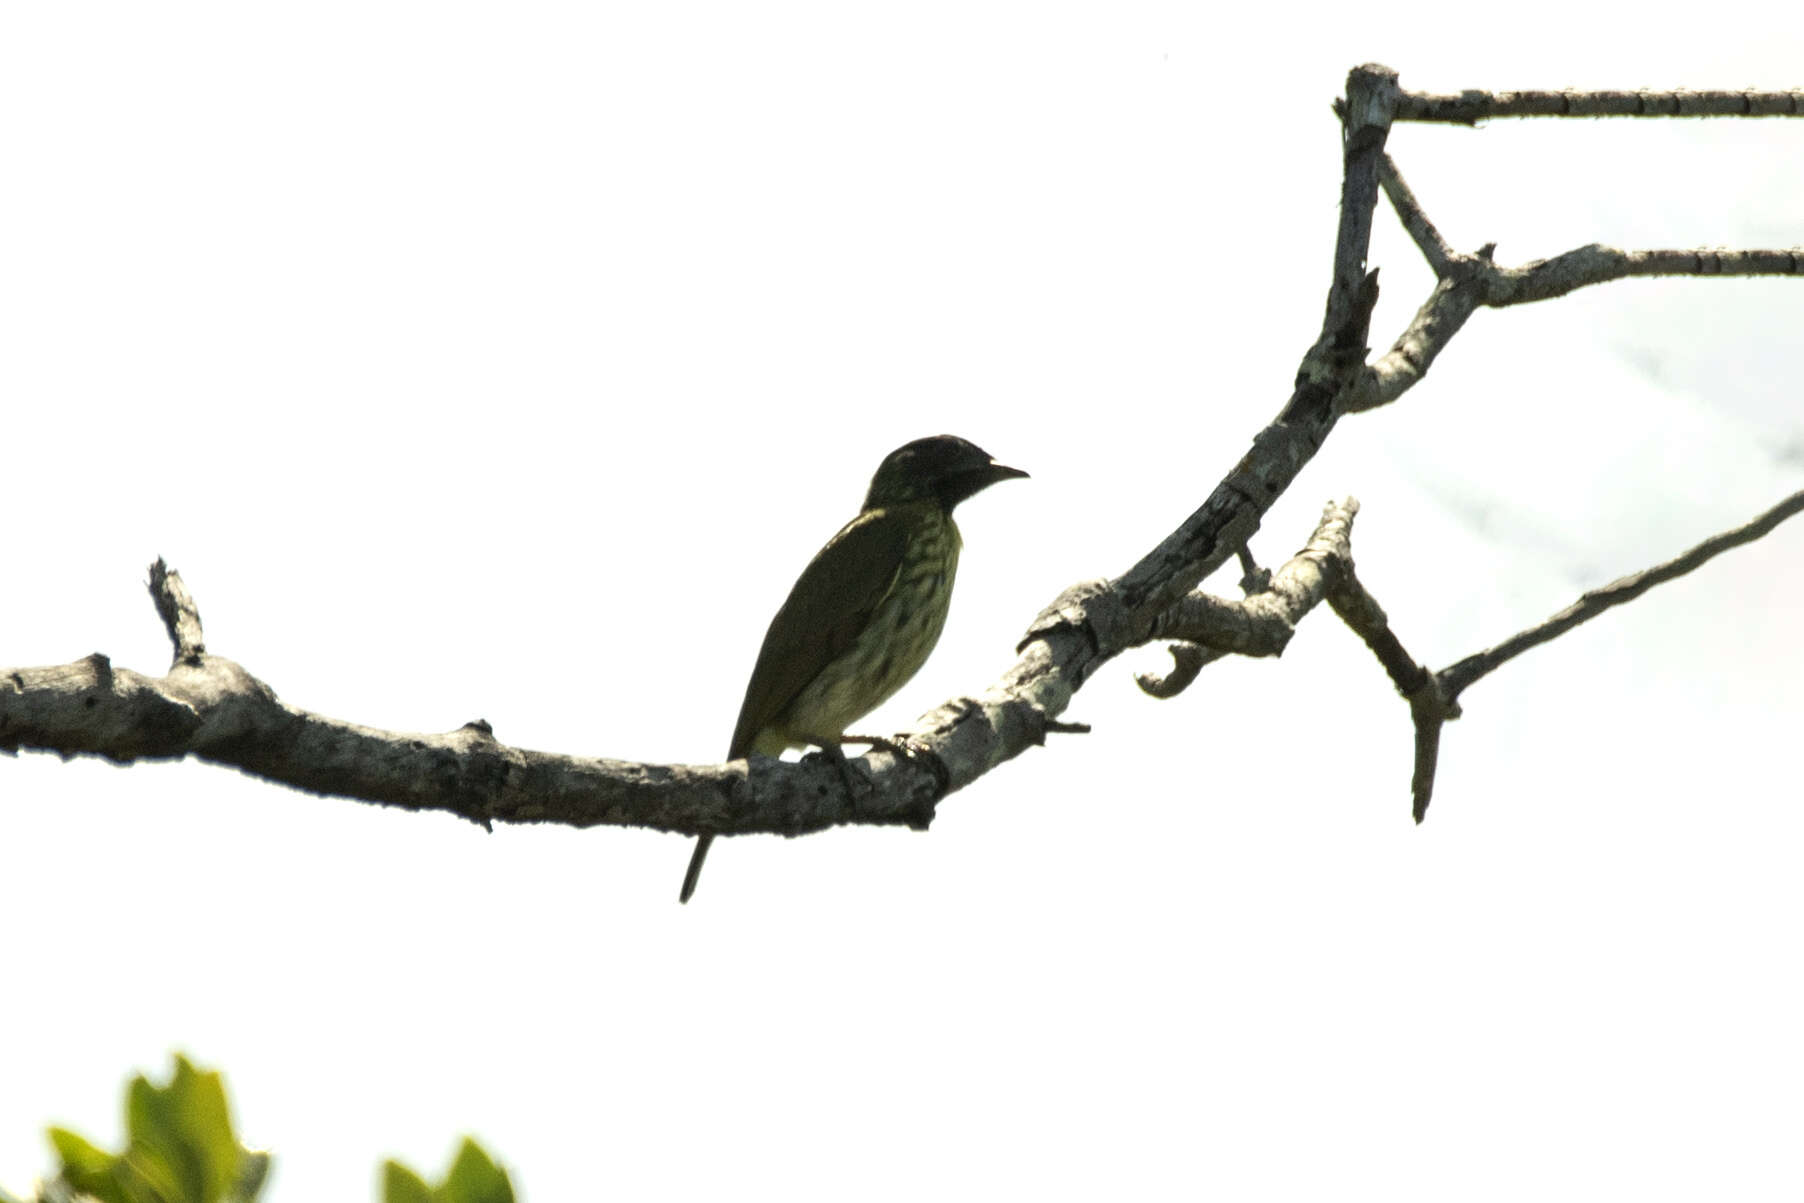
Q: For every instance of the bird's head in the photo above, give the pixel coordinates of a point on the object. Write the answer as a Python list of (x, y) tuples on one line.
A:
[(944, 468)]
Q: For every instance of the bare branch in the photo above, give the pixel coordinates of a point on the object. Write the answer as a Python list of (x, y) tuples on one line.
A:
[(181, 618), (214, 710), (1428, 239), (1187, 660), (220, 712), (1361, 611), (1400, 369), (1257, 626), (211, 708), (1463, 283), (1468, 108), (1371, 99), (1456, 678), (1427, 762), (1435, 699), (1598, 264), (1429, 707), (1262, 624), (1466, 282), (1253, 579), (1224, 523)]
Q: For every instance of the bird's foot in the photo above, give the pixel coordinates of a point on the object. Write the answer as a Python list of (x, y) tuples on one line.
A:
[(900, 749), (920, 757)]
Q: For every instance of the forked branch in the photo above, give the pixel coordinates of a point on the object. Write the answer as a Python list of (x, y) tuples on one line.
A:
[(1464, 283), (209, 707)]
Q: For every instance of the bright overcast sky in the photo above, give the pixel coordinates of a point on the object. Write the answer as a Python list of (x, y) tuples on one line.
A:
[(509, 361)]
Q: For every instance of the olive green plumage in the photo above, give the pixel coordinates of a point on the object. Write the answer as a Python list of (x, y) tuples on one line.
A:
[(866, 612)]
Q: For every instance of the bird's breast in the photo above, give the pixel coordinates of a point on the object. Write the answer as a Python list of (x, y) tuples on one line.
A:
[(903, 629)]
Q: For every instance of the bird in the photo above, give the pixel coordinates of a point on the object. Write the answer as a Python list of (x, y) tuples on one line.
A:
[(866, 612)]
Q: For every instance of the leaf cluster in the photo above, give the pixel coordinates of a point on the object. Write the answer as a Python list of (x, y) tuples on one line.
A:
[(181, 1147)]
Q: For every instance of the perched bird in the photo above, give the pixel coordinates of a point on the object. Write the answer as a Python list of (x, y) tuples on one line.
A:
[(867, 610)]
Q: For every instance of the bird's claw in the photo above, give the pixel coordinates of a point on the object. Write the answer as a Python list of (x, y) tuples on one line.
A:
[(900, 749)]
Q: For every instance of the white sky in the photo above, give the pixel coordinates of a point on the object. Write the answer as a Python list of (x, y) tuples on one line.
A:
[(509, 361)]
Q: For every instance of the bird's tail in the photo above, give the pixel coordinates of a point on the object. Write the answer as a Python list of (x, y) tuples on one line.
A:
[(695, 866)]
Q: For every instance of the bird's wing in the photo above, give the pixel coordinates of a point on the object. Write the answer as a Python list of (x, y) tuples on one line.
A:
[(829, 606)]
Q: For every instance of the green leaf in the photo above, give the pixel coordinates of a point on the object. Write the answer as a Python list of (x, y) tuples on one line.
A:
[(253, 1175), (78, 1155), (87, 1168), (186, 1127), (180, 1147), (475, 1178), (402, 1185), (205, 1122), (147, 1174)]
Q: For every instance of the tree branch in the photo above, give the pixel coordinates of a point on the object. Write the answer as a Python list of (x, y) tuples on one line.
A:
[(1466, 282), (1457, 677), (1471, 107), (181, 617), (1434, 248), (1429, 707), (211, 708), (1434, 697), (1262, 624)]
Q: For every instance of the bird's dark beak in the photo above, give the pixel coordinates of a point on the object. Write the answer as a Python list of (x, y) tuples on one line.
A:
[(975, 480), (978, 479), (999, 472)]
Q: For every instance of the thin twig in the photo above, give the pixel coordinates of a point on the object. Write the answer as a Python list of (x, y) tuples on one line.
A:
[(1434, 248), (1187, 660), (181, 617), (1457, 677)]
